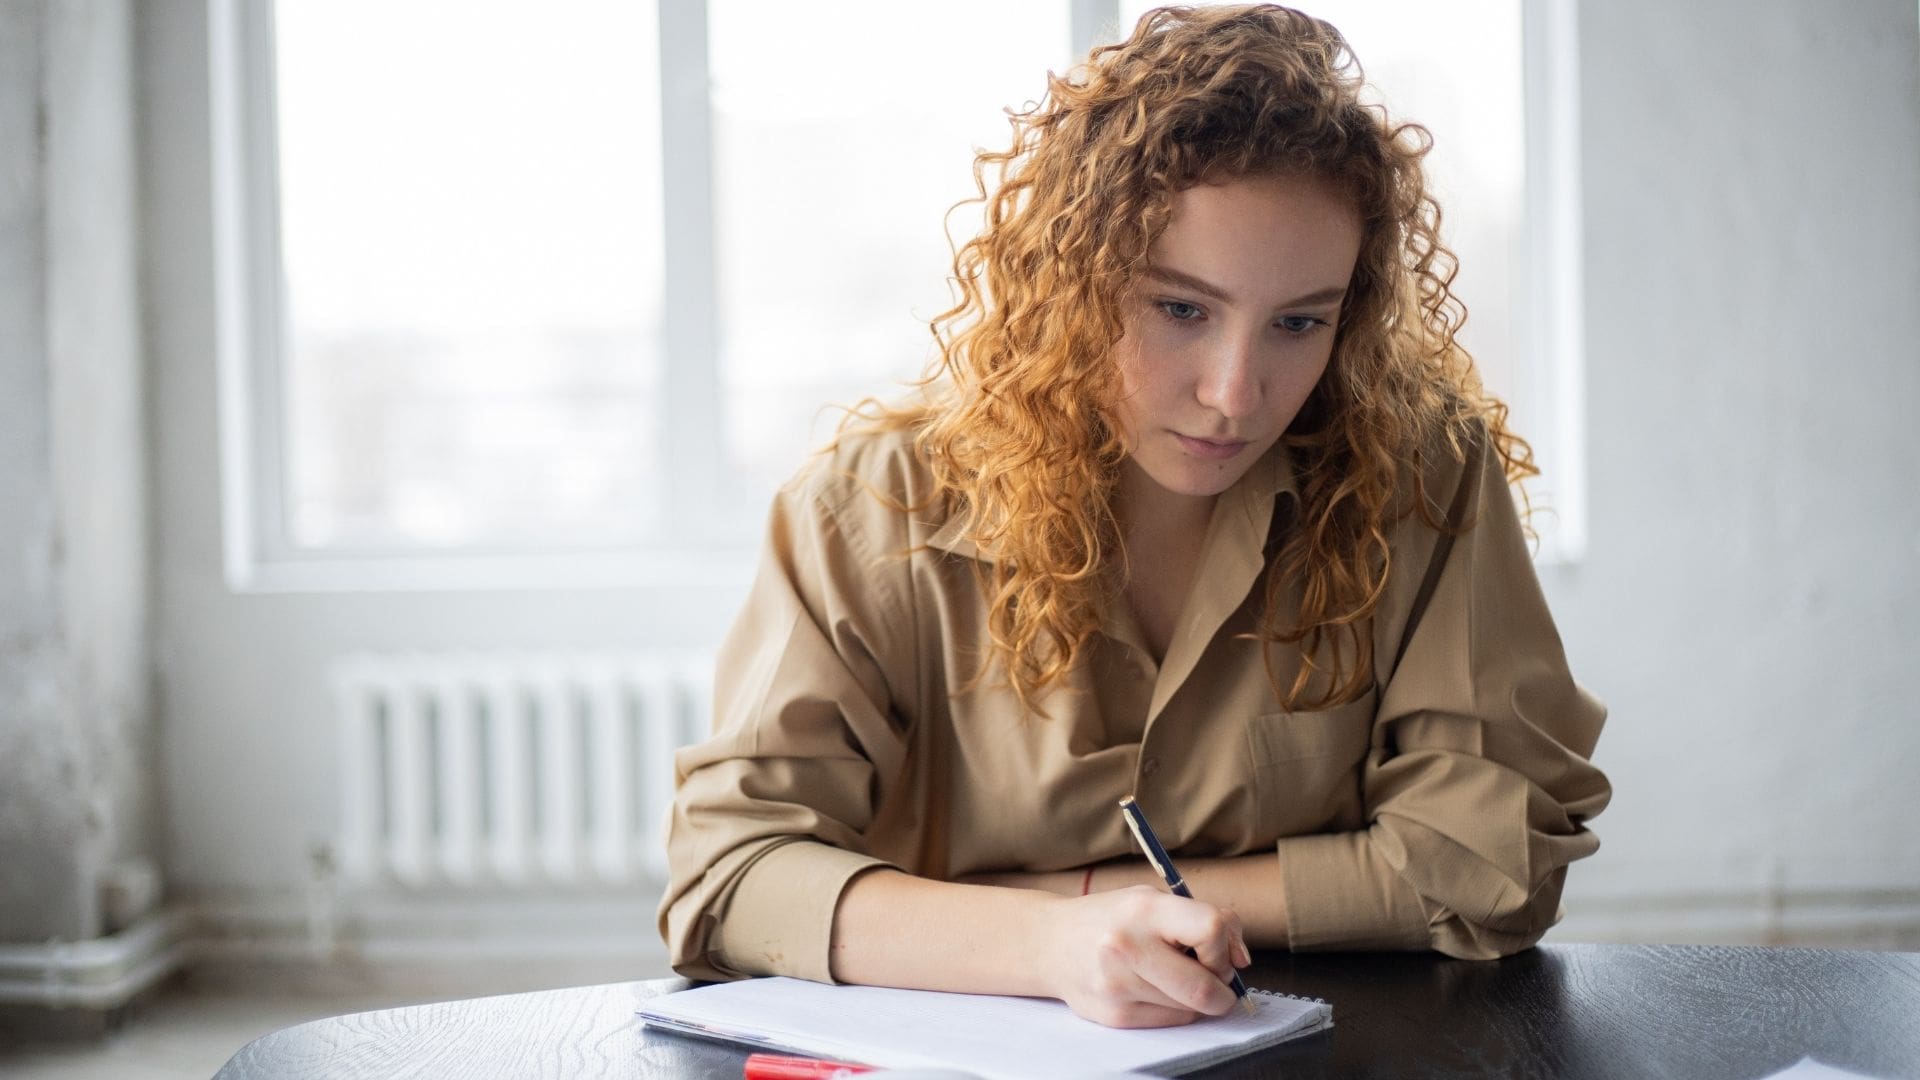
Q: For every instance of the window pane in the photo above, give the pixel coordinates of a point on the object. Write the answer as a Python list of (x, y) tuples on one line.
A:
[(1456, 69), (840, 143), (470, 229)]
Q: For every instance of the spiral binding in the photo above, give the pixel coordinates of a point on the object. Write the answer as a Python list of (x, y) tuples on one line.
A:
[(1289, 997)]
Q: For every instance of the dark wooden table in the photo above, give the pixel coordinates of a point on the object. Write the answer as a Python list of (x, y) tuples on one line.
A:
[(1559, 1010)]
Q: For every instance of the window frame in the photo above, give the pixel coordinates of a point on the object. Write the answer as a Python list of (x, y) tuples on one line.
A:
[(1551, 322), (258, 555)]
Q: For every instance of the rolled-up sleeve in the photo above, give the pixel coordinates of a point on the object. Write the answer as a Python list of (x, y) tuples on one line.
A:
[(769, 816), (1477, 785)]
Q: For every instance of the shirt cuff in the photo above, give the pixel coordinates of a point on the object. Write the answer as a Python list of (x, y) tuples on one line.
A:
[(1340, 894), (780, 919)]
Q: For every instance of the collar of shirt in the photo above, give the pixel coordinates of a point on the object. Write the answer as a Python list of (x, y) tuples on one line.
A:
[(1233, 555)]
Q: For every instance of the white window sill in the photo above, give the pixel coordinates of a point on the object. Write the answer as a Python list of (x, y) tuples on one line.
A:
[(719, 569)]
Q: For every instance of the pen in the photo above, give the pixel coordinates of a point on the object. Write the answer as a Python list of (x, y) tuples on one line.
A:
[(775, 1067), (1163, 865)]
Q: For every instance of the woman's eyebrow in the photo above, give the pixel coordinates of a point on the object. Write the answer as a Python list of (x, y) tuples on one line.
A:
[(1329, 295), (1169, 276)]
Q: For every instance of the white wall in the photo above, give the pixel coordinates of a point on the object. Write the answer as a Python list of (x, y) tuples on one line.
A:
[(1750, 606), (1747, 598)]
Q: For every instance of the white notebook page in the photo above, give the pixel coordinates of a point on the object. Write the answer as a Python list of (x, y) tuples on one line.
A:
[(989, 1035)]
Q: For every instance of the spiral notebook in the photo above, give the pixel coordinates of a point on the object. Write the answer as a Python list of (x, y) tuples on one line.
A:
[(994, 1037)]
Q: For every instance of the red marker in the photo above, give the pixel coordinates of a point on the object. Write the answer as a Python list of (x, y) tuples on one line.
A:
[(775, 1067)]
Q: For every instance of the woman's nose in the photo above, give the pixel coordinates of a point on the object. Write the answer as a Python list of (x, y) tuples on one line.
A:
[(1229, 382)]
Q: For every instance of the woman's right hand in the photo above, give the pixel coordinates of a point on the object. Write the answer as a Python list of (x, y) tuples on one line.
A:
[(1119, 958)]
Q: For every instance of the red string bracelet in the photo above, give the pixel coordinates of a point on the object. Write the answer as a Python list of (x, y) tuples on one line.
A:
[(1086, 883)]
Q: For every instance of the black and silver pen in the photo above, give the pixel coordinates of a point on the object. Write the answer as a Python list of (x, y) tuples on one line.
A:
[(1163, 865)]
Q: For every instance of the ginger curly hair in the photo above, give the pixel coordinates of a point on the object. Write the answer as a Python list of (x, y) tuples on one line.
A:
[(1018, 417)]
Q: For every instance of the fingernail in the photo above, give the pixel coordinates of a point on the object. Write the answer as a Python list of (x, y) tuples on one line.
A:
[(1241, 957)]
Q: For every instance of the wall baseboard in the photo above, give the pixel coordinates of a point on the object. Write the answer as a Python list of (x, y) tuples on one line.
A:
[(101, 973), (505, 940), (426, 942)]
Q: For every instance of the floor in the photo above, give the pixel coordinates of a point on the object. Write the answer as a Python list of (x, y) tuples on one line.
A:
[(187, 1028), (184, 1031)]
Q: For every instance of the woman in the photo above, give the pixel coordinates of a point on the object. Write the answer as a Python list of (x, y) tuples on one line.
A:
[(1204, 505)]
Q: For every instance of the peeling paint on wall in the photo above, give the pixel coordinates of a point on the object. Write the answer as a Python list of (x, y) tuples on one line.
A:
[(76, 782)]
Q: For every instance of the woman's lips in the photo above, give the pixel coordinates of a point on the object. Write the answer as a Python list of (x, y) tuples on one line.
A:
[(1206, 448)]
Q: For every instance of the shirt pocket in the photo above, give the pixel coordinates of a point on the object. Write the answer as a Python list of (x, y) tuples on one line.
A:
[(1307, 764)]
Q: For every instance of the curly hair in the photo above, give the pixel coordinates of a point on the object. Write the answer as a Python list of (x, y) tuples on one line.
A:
[(1019, 419)]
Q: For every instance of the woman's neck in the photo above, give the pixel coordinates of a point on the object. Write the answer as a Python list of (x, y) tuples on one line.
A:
[(1164, 533), (1153, 519)]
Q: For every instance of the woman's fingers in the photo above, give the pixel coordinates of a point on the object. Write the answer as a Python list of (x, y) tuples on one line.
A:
[(1237, 956), (1121, 958), (1198, 982), (1214, 938), (1187, 983)]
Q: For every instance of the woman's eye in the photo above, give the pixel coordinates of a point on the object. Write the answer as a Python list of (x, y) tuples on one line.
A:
[(1178, 310), (1299, 324)]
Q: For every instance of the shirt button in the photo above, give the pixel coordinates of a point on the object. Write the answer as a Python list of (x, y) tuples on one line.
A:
[(1150, 766)]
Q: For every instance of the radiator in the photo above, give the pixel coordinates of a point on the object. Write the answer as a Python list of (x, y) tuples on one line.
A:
[(510, 770)]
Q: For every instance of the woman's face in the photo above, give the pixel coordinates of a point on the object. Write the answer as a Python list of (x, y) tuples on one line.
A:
[(1230, 326)]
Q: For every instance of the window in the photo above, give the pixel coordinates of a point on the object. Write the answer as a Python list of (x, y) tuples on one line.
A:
[(455, 219), (469, 208), (455, 222)]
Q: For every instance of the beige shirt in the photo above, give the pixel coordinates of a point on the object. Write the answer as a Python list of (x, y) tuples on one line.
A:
[(1438, 811)]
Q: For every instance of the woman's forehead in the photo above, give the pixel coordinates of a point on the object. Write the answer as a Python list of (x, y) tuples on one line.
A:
[(1270, 234)]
